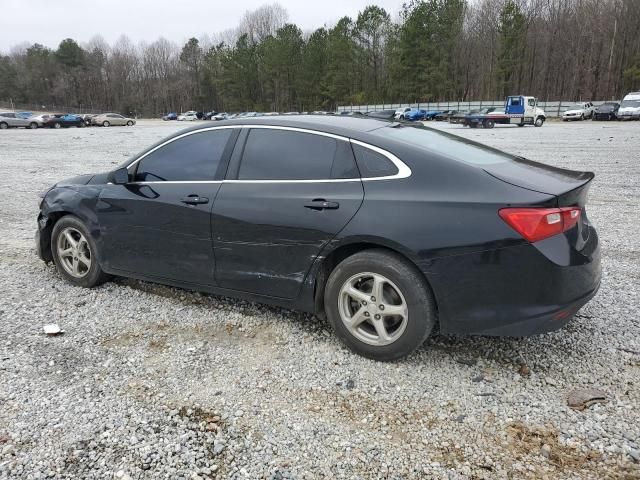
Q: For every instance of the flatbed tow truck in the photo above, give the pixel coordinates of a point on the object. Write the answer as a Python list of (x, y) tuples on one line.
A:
[(518, 110)]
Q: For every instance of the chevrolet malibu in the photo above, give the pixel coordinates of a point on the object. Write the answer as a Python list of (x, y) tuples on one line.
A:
[(386, 229)]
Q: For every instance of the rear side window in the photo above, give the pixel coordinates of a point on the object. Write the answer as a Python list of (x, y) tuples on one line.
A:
[(373, 164), (195, 157), (272, 154)]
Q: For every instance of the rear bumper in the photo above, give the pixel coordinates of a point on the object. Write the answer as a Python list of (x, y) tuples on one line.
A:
[(514, 291)]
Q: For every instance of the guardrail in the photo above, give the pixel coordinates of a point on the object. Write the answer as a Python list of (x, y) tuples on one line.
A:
[(551, 109)]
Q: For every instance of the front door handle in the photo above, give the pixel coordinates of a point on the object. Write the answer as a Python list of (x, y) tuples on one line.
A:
[(321, 204), (194, 200)]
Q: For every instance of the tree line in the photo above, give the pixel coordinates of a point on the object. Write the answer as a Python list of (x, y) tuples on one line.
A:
[(431, 50)]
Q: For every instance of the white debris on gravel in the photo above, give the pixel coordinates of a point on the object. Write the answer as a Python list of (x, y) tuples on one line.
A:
[(155, 382)]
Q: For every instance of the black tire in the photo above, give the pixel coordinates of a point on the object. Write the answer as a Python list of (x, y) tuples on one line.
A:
[(4, 125), (473, 125), (94, 276), (538, 122), (105, 124), (129, 123), (421, 317), (33, 125), (57, 125), (582, 116), (488, 124)]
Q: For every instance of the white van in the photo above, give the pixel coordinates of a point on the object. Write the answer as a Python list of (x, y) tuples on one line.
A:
[(630, 107)]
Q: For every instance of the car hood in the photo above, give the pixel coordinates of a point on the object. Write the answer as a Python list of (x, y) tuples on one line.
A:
[(79, 180)]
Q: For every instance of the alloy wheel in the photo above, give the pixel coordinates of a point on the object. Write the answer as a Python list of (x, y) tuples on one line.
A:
[(373, 309), (74, 252)]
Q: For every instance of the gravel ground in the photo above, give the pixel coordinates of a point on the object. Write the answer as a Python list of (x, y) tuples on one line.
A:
[(155, 382)]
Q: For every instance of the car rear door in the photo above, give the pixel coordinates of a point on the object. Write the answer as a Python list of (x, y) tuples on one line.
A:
[(159, 224), (288, 192)]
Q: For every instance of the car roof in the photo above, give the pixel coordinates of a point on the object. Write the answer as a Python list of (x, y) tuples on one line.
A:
[(343, 125)]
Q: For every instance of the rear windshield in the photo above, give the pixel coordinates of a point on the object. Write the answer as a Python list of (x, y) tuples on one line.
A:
[(445, 144)]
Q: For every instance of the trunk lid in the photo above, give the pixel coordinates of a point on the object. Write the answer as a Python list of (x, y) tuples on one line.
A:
[(570, 188)]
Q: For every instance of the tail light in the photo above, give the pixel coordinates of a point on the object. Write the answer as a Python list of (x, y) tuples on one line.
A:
[(535, 224)]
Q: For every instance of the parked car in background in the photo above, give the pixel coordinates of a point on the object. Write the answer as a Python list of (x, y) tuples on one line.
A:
[(414, 115), (606, 111), (221, 116), (466, 117), (111, 119), (291, 113), (170, 116), (189, 116), (630, 107), (64, 121), (444, 116), (460, 116), (401, 111), (430, 114), (87, 118), (40, 119), (386, 114), (209, 115), (12, 120), (579, 111), (360, 207)]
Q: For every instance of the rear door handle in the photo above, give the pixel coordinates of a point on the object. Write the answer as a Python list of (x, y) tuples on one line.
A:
[(194, 200), (321, 204)]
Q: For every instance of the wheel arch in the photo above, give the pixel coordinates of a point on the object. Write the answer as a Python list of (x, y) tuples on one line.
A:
[(345, 250)]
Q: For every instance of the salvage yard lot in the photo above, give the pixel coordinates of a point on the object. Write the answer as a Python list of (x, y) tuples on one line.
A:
[(155, 382)]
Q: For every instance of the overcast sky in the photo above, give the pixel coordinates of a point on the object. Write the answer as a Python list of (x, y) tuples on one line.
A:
[(50, 21)]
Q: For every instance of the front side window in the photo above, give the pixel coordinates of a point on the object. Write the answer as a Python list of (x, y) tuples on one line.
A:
[(532, 102), (195, 157), (272, 154)]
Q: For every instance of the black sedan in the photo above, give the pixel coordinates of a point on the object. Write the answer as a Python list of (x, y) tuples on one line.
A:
[(444, 116), (64, 121), (385, 228), (606, 111)]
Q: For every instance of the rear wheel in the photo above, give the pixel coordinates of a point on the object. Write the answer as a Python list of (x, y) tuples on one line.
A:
[(57, 125), (488, 124), (380, 306), (33, 125), (105, 124), (522, 124), (74, 253), (4, 125)]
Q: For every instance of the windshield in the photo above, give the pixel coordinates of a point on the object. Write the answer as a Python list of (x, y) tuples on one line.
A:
[(445, 144), (630, 103)]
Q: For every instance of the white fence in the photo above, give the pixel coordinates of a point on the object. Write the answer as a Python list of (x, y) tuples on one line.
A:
[(551, 109)]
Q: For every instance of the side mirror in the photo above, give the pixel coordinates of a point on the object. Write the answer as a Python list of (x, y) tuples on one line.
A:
[(119, 176)]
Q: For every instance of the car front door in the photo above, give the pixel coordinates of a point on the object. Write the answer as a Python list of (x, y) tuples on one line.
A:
[(116, 119), (159, 224), (288, 192)]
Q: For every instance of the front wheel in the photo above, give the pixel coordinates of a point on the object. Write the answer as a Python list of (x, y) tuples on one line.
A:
[(74, 253), (4, 125), (57, 125), (105, 124), (129, 123), (33, 125), (539, 121), (379, 305)]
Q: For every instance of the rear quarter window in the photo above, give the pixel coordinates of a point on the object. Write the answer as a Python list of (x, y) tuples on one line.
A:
[(373, 164)]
